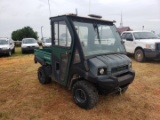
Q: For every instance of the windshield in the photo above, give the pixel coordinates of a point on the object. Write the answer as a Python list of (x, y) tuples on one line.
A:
[(29, 41), (144, 35), (47, 40), (97, 39), (3, 42)]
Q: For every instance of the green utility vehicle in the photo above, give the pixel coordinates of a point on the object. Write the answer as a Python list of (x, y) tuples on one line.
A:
[(87, 56)]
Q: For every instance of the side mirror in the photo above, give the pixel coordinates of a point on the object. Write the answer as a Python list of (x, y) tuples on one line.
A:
[(122, 42)]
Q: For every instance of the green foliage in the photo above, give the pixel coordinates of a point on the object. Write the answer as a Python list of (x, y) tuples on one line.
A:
[(26, 32)]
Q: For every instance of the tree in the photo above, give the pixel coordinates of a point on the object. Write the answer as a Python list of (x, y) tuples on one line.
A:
[(25, 32)]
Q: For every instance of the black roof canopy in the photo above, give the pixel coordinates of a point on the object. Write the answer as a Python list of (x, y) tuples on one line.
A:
[(80, 18)]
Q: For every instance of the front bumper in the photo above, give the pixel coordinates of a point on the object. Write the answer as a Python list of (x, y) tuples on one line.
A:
[(29, 49), (4, 51), (112, 84), (154, 54)]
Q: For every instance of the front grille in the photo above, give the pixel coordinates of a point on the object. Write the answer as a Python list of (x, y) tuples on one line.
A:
[(157, 46), (119, 69)]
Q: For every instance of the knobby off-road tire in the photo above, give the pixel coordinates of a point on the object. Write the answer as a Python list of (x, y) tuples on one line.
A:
[(42, 76), (139, 55), (85, 94)]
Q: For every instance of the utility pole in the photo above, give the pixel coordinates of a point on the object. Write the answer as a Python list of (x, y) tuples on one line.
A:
[(89, 6), (121, 23), (41, 32), (76, 11), (142, 27), (49, 8)]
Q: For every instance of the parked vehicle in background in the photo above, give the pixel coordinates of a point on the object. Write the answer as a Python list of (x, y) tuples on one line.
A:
[(84, 59), (29, 44), (7, 46), (142, 44), (158, 35), (46, 42)]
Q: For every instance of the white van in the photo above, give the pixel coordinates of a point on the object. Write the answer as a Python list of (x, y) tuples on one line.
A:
[(29, 44), (7, 46)]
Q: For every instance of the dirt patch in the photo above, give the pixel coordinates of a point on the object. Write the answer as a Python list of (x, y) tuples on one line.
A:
[(23, 97)]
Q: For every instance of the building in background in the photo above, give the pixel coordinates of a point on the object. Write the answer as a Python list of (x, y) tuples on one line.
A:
[(121, 28)]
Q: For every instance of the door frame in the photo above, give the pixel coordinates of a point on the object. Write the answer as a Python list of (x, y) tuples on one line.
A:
[(56, 58)]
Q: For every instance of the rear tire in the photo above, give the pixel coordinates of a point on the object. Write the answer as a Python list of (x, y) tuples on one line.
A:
[(85, 94), (42, 76), (139, 55)]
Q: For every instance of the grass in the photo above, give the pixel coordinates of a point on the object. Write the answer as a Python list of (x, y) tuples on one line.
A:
[(22, 97), (18, 52)]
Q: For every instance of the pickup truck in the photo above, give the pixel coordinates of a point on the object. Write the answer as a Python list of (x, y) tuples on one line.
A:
[(87, 56), (143, 44)]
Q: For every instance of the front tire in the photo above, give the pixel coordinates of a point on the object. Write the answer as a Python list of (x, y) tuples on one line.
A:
[(13, 51), (9, 53), (42, 76), (85, 94), (23, 51), (139, 55)]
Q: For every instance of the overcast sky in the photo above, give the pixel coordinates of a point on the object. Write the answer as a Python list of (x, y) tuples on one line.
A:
[(16, 14)]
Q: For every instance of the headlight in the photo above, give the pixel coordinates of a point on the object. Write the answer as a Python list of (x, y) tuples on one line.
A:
[(150, 46), (23, 46), (101, 71), (5, 48)]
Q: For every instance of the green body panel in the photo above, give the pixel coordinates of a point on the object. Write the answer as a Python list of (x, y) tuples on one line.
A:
[(44, 54)]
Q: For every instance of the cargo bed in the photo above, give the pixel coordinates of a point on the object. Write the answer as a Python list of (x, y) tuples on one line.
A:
[(43, 56)]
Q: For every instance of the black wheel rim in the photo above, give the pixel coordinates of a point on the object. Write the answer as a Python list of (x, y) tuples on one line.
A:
[(80, 95)]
